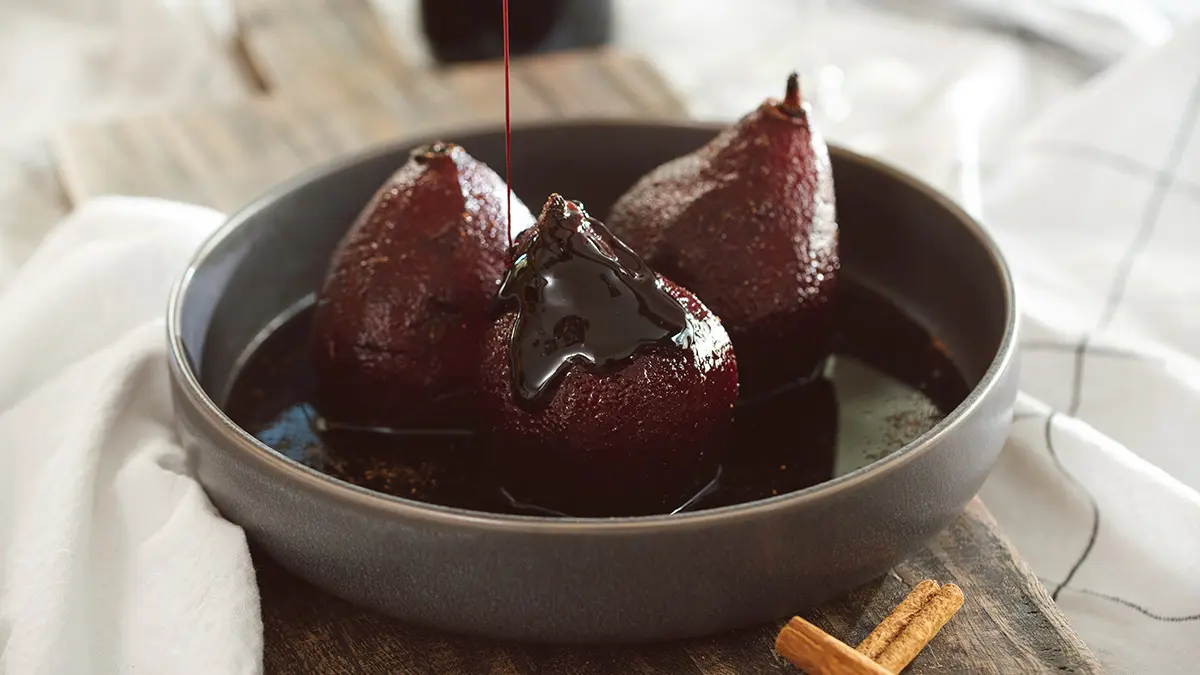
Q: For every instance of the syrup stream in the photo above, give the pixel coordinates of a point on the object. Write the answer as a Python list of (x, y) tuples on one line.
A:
[(507, 130)]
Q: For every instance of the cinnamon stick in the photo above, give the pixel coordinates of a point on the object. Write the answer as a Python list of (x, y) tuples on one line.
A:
[(889, 648), (819, 653), (921, 628), (890, 627)]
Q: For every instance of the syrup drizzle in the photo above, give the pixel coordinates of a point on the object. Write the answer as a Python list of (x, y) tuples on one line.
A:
[(507, 129), (582, 297)]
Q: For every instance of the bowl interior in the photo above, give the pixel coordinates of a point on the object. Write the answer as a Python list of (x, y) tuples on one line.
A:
[(896, 236)]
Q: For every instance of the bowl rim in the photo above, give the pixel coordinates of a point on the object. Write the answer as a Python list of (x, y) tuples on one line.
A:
[(392, 506)]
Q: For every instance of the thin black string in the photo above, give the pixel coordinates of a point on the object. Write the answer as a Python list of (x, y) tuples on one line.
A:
[(1093, 350), (1088, 154), (1049, 429), (1128, 603), (1149, 222), (1077, 375), (1138, 608), (1115, 161)]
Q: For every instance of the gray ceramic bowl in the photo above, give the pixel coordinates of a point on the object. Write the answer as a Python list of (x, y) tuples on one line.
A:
[(601, 580)]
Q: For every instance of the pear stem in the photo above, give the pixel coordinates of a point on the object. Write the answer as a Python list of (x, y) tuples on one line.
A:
[(791, 100)]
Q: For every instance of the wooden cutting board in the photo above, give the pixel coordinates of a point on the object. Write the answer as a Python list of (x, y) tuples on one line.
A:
[(331, 84)]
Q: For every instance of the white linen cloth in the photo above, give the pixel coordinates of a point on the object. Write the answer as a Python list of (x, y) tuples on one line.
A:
[(112, 559), (1098, 211)]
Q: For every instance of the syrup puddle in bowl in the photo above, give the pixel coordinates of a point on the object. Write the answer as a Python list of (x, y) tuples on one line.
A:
[(887, 382)]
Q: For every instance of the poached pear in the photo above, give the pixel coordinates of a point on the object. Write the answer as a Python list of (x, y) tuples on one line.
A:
[(400, 320), (606, 389), (748, 224)]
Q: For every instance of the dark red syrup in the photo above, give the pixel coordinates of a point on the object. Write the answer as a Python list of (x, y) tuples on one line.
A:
[(889, 382)]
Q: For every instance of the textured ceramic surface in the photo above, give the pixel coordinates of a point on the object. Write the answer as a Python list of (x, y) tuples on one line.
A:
[(566, 580)]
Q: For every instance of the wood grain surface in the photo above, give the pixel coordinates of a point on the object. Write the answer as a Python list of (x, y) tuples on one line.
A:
[(292, 43), (332, 85)]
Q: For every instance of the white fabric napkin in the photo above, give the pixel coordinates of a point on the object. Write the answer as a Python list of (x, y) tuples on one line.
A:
[(112, 559), (1098, 211)]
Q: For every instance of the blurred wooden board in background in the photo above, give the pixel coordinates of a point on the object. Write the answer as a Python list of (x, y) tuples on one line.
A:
[(332, 84), (224, 155)]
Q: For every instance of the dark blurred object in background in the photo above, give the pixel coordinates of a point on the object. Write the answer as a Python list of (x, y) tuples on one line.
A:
[(472, 30)]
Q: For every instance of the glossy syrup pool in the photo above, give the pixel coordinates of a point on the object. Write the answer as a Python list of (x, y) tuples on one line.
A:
[(887, 382)]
